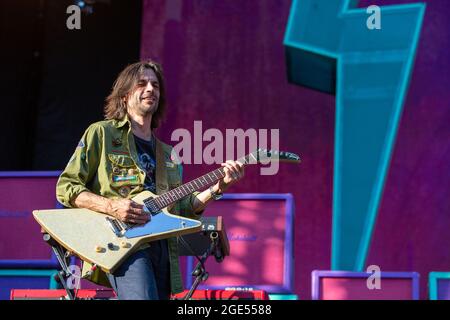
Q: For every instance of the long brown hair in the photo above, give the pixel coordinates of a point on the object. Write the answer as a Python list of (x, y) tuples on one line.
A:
[(116, 107)]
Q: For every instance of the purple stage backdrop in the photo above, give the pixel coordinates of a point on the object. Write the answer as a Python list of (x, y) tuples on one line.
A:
[(224, 65)]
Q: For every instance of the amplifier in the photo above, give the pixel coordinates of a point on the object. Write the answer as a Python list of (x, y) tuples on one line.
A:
[(60, 294), (439, 285), (25, 279), (349, 285), (109, 294), (225, 295), (259, 255), (20, 237)]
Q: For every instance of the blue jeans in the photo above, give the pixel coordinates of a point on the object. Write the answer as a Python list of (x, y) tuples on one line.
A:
[(145, 275)]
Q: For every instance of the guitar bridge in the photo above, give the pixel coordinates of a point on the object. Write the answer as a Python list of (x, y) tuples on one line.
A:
[(116, 227)]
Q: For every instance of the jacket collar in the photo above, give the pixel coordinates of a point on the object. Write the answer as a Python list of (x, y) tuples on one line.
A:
[(122, 122)]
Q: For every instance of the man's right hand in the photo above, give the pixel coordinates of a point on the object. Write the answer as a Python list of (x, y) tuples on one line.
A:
[(128, 211)]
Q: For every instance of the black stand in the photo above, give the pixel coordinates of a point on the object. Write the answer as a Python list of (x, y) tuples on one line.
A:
[(63, 258), (200, 272), (212, 241)]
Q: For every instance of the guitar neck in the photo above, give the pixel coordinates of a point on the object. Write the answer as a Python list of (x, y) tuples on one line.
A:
[(166, 199)]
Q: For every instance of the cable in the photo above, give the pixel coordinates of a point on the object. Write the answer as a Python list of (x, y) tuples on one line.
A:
[(189, 248)]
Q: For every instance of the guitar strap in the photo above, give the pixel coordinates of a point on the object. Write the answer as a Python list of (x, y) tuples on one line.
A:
[(162, 183)]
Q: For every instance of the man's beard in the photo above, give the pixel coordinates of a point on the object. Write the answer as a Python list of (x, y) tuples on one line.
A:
[(145, 109), (149, 108)]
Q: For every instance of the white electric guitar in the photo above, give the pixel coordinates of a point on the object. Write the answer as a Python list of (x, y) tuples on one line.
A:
[(106, 242)]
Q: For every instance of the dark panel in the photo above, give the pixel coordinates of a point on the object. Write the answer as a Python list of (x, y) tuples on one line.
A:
[(80, 67), (21, 34), (54, 80)]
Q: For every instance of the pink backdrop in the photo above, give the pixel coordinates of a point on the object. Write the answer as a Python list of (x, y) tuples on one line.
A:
[(224, 64)]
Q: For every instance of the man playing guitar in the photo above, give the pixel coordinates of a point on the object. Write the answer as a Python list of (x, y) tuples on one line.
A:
[(120, 157)]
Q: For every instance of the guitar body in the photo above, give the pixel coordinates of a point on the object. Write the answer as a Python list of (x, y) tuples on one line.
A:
[(102, 240), (90, 235)]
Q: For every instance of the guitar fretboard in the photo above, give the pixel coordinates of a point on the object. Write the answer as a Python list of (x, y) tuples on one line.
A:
[(156, 204)]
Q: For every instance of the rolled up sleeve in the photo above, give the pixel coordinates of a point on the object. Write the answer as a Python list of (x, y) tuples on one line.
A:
[(187, 203), (187, 207), (81, 168)]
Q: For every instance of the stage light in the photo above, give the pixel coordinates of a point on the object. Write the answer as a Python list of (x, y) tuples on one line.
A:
[(87, 6)]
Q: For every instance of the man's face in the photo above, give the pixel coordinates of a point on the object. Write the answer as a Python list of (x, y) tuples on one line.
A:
[(144, 98)]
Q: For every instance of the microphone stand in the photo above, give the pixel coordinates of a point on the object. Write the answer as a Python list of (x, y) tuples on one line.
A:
[(200, 272)]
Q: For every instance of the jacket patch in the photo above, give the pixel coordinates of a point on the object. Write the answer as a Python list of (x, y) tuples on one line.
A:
[(169, 164), (124, 178), (120, 152), (80, 144), (117, 142)]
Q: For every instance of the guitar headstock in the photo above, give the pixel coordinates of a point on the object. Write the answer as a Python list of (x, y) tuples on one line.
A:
[(266, 155)]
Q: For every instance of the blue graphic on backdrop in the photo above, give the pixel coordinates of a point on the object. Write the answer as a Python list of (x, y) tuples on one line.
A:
[(334, 47)]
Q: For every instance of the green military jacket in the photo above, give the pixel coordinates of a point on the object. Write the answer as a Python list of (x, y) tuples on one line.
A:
[(107, 151)]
